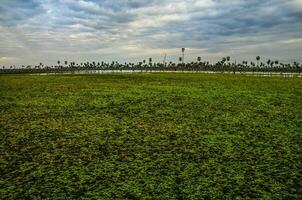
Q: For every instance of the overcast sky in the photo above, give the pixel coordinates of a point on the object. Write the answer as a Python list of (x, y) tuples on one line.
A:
[(33, 31)]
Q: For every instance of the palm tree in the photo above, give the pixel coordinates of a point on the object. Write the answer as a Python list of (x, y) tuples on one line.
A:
[(150, 63), (258, 58), (183, 54), (58, 67), (268, 62)]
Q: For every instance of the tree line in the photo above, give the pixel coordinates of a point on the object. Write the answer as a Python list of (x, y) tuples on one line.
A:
[(224, 65)]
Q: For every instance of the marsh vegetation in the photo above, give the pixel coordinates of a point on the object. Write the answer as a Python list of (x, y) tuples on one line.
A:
[(150, 136)]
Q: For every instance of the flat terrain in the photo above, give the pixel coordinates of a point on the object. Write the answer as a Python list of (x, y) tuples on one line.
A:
[(150, 136)]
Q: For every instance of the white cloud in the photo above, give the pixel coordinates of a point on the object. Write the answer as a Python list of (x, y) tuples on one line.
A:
[(7, 59)]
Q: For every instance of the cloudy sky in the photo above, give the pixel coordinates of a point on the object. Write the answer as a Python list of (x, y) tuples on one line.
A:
[(33, 31)]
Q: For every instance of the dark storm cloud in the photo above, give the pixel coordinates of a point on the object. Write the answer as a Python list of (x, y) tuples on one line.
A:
[(120, 29)]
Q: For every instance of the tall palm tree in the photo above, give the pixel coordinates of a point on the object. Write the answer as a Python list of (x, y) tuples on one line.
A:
[(268, 62), (58, 67), (150, 63), (183, 54), (258, 59)]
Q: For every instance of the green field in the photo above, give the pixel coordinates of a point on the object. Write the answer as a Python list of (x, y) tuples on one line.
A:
[(150, 136)]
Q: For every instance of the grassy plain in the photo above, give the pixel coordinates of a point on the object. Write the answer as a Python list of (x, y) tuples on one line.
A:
[(150, 136)]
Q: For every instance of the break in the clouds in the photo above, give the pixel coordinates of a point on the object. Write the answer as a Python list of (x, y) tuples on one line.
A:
[(35, 31)]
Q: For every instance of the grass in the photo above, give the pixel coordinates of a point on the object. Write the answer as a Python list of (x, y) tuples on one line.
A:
[(150, 136)]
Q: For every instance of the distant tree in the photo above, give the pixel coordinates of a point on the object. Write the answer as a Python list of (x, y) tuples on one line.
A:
[(268, 62), (258, 59), (58, 62), (183, 54), (228, 58), (65, 62), (198, 59)]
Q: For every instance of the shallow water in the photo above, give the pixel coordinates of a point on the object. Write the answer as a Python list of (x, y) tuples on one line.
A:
[(264, 74)]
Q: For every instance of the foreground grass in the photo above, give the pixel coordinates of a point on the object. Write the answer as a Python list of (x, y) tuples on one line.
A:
[(150, 136)]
